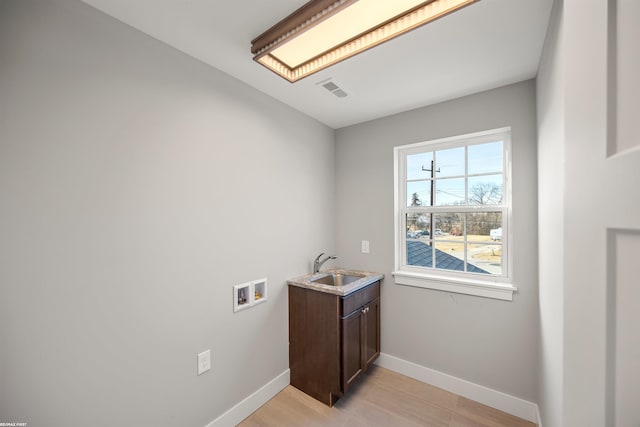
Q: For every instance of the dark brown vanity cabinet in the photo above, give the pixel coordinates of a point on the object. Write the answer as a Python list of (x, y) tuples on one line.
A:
[(332, 339)]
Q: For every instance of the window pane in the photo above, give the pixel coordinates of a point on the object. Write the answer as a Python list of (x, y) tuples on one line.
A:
[(484, 158), (449, 192), (485, 190), (418, 226), (484, 257), (416, 163), (449, 226), (450, 162), (449, 235), (419, 250), (481, 224), (419, 193), (419, 254), (450, 255)]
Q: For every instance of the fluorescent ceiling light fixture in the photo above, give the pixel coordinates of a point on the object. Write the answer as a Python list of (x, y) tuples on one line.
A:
[(324, 32)]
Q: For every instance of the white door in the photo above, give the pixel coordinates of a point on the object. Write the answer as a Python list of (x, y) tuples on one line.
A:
[(602, 194), (623, 302)]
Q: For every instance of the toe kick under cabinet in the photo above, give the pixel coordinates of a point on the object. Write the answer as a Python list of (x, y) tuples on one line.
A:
[(332, 339)]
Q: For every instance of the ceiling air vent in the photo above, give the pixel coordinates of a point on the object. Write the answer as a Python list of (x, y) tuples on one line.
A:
[(333, 87)]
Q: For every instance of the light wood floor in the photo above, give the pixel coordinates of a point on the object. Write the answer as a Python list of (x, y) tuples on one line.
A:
[(382, 398)]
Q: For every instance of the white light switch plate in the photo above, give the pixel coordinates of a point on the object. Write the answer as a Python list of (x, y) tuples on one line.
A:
[(204, 362), (365, 246)]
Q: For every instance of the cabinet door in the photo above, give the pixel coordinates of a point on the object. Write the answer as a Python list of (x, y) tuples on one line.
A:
[(352, 349), (371, 342)]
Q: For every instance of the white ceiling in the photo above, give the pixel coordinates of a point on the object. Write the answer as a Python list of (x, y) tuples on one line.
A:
[(486, 45)]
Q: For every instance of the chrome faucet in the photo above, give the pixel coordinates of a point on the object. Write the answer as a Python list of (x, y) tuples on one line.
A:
[(318, 263)]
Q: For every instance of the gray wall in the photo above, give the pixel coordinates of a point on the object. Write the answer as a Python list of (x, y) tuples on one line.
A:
[(137, 185), (489, 342), (551, 156)]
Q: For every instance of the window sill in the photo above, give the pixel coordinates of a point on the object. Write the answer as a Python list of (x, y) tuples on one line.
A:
[(461, 286)]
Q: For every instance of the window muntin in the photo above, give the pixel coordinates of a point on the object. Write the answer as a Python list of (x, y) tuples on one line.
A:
[(454, 207)]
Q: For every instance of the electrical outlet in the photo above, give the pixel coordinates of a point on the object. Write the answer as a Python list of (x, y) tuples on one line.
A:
[(365, 246), (204, 362)]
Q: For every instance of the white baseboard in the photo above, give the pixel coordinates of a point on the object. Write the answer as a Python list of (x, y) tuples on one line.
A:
[(496, 399), (538, 415), (252, 402)]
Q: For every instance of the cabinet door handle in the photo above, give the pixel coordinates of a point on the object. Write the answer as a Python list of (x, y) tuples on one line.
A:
[(365, 310)]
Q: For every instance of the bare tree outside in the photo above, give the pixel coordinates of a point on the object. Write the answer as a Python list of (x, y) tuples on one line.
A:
[(485, 193)]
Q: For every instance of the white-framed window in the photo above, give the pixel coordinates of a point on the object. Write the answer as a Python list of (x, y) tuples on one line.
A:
[(453, 214)]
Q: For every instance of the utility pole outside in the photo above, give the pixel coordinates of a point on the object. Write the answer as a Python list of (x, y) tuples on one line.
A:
[(433, 175)]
